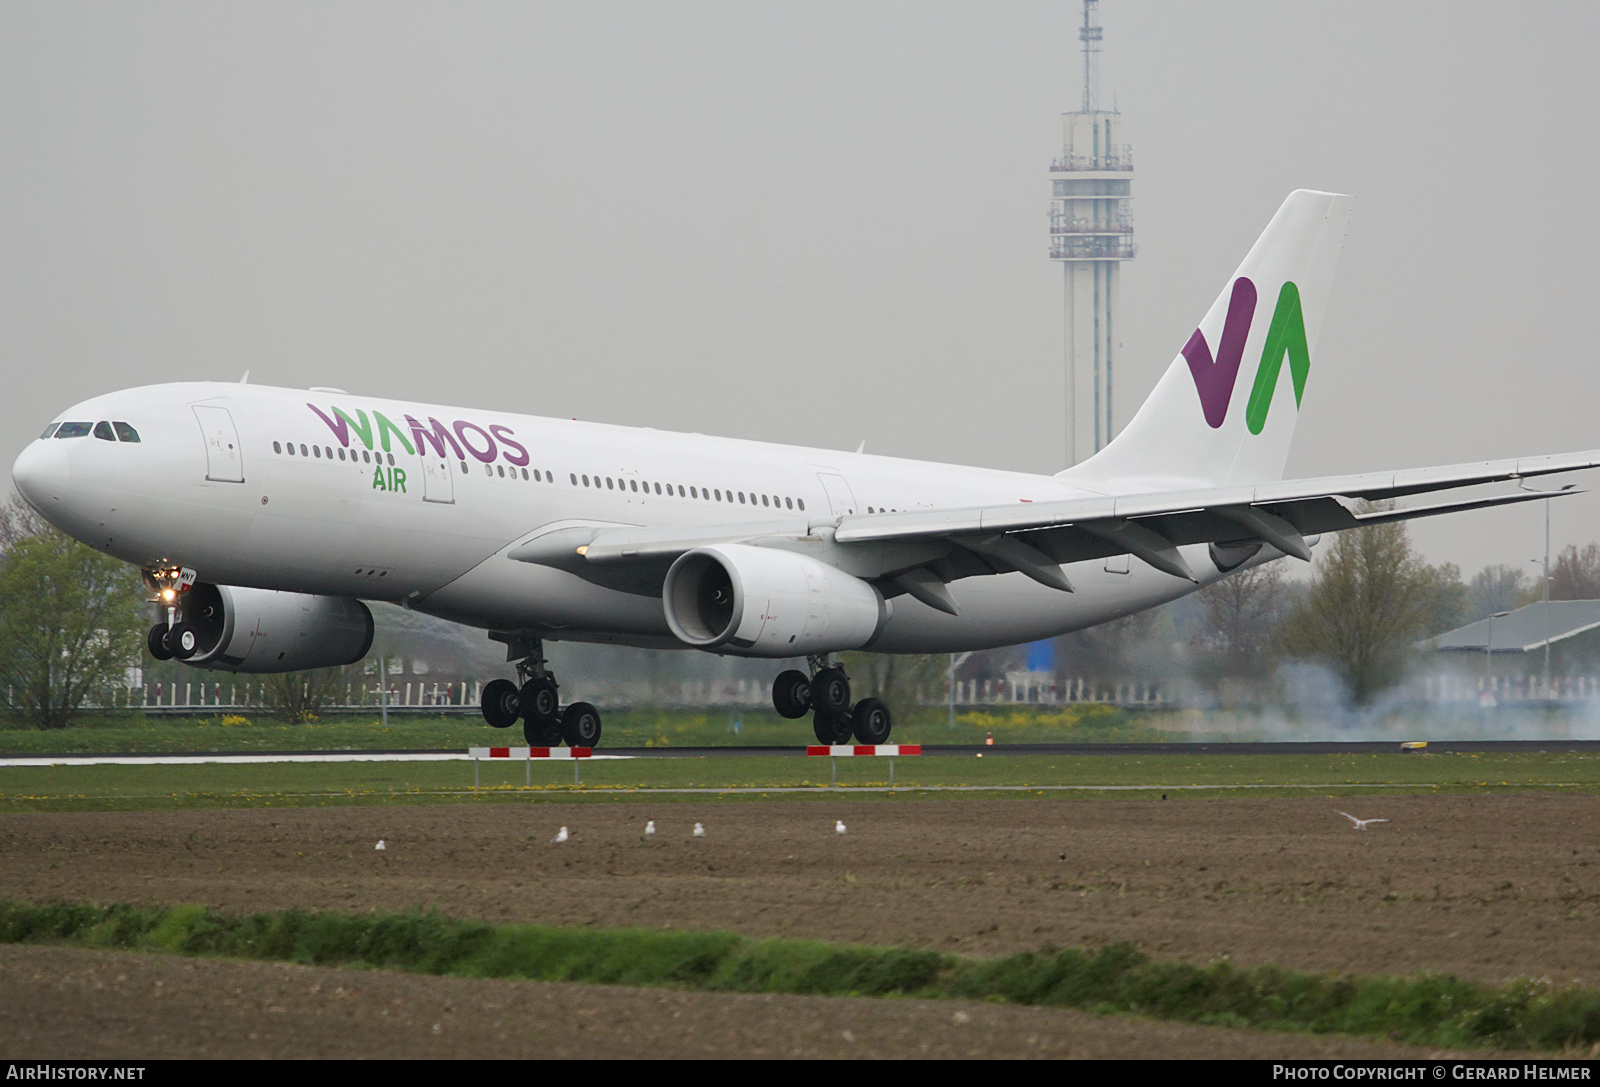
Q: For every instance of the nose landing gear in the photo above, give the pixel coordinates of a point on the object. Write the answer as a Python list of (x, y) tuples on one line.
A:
[(171, 639), (826, 695), (156, 642), (537, 701)]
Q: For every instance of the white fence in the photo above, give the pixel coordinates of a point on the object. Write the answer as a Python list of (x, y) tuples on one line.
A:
[(1499, 689), (462, 696)]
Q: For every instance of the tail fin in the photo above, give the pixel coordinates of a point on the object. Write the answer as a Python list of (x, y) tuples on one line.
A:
[(1214, 418)]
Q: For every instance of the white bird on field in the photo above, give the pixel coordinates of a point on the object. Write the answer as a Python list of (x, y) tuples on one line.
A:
[(380, 845), (838, 826), (699, 831), (1361, 824), (649, 827), (561, 836)]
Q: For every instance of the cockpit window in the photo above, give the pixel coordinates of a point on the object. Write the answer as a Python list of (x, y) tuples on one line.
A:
[(74, 430), (49, 430), (126, 432), (102, 430)]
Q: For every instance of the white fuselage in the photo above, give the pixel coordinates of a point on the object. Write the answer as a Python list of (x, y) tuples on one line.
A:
[(419, 504)]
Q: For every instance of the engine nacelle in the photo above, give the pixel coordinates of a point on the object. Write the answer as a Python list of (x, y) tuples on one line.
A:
[(262, 630), (766, 602)]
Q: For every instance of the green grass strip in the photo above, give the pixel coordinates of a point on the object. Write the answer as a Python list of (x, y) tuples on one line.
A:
[(1436, 1010)]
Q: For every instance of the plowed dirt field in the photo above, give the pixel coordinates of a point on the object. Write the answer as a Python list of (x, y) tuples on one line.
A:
[(1486, 886)]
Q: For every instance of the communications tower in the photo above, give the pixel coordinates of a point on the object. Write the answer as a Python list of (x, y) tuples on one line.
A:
[(1091, 234)]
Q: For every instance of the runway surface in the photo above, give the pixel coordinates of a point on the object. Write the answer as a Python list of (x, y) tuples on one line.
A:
[(1313, 747)]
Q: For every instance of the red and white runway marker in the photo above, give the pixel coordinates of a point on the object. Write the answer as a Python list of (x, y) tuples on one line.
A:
[(838, 751), (528, 754)]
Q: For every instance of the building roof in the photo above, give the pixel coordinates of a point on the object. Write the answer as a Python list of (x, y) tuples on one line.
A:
[(1523, 630)]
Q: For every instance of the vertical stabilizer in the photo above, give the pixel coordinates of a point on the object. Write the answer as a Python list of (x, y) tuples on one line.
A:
[(1225, 410)]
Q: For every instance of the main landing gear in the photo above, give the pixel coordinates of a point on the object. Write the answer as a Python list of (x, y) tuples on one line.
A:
[(826, 695), (537, 701)]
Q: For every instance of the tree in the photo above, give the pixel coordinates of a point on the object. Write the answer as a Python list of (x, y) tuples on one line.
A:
[(897, 678), (1576, 574), (1241, 614), (1444, 598), (300, 697), (18, 520), (1495, 589), (70, 623), (1371, 598)]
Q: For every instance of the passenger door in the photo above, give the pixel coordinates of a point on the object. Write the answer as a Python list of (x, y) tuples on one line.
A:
[(224, 459), (438, 482), (840, 498)]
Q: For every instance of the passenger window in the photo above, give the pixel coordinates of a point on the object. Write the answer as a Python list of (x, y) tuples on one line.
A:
[(574, 478), (633, 485), (329, 450), (391, 460), (125, 432), (692, 492), (764, 500), (801, 502), (73, 430), (277, 448), (585, 481), (317, 449), (488, 469), (719, 494), (341, 454), (102, 430), (788, 503), (303, 452), (609, 485), (535, 474), (658, 488)]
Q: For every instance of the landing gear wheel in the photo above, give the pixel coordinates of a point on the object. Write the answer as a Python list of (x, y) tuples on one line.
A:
[(580, 724), (831, 730), (499, 703), (871, 721), (542, 731), (791, 694), (830, 693), (539, 699), (156, 642), (183, 641)]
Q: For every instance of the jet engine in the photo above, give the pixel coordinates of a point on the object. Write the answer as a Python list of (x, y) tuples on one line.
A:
[(767, 602), (231, 629)]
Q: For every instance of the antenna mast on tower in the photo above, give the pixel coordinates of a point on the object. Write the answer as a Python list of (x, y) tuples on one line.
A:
[(1089, 35), (1091, 233)]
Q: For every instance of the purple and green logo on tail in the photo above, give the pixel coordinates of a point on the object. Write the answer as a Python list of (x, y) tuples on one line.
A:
[(1214, 378)]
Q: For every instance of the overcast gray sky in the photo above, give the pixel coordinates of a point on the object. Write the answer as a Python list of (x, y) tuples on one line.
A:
[(807, 222)]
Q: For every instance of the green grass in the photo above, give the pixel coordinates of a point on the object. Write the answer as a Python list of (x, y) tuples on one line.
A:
[(1434, 1010), (105, 788), (623, 728)]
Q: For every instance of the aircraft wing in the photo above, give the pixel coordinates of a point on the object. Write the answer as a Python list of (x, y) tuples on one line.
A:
[(920, 551)]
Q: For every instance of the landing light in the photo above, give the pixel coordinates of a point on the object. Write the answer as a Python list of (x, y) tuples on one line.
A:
[(584, 550), (168, 595)]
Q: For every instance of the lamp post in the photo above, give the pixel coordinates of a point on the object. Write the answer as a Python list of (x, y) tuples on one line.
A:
[(1522, 485), (1488, 657)]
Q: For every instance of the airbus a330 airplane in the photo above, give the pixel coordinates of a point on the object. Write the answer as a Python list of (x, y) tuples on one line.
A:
[(262, 517)]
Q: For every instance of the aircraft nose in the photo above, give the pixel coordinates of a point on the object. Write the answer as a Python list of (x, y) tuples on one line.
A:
[(40, 474)]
